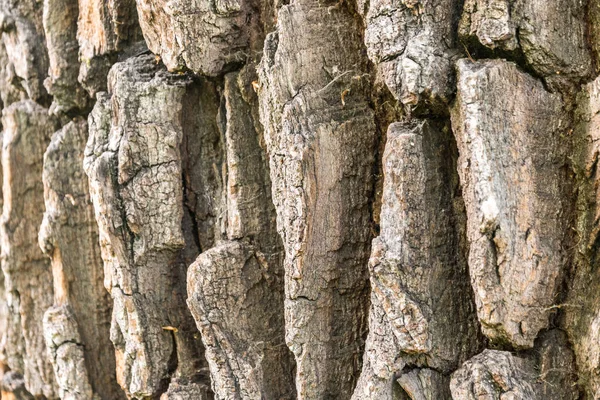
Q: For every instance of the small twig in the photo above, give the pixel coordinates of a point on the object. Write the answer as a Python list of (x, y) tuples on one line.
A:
[(559, 306), (343, 96), (170, 328), (334, 80), (467, 51)]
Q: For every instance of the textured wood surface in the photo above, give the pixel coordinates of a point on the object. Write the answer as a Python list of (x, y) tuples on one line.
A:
[(299, 199)]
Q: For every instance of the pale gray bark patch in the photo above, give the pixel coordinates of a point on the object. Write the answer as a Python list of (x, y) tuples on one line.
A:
[(496, 374), (412, 43), (66, 353), (422, 384), (235, 297), (511, 134)]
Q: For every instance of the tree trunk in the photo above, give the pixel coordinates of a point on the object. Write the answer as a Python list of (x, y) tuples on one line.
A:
[(303, 199)]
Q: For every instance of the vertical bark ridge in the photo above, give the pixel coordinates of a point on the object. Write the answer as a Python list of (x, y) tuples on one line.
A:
[(412, 314), (320, 135), (134, 164), (237, 285), (27, 275), (76, 328)]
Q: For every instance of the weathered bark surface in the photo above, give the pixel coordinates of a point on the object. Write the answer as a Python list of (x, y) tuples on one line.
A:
[(11, 90), (79, 322), (27, 274), (204, 165), (237, 285), (310, 199), (551, 35), (320, 135), (67, 354), (582, 312), (412, 43), (556, 367), (134, 162), (204, 36), (60, 25), (495, 374), (232, 292), (104, 28), (13, 387), (509, 132), (412, 315), (21, 24)]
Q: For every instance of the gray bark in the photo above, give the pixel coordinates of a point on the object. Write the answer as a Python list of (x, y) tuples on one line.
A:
[(134, 162), (320, 135), (508, 129), (78, 323), (411, 313), (253, 199), (27, 275)]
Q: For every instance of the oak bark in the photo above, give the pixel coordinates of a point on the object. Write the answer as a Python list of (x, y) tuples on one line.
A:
[(303, 199)]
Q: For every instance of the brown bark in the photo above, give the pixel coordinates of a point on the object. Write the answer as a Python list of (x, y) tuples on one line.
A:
[(76, 328), (320, 135), (27, 275), (134, 163), (508, 130), (252, 199), (413, 316)]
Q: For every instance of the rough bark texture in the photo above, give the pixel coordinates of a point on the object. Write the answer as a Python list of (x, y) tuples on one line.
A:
[(234, 299), (413, 317), (235, 288), (550, 35), (105, 28), (303, 199), (134, 162), (581, 306), (413, 45), (495, 374), (204, 36), (508, 129), (27, 275), (60, 25), (79, 322), (21, 23), (320, 134)]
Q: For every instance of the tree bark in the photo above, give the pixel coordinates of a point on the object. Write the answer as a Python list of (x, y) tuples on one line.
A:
[(253, 199)]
